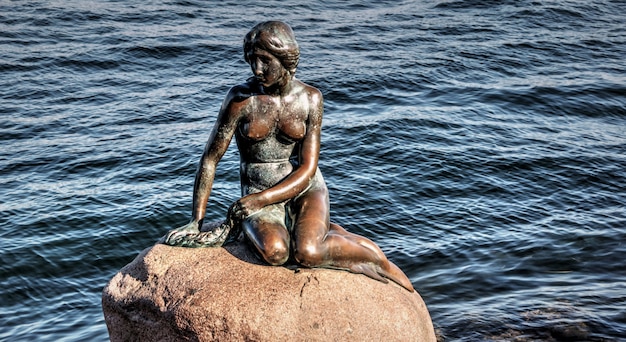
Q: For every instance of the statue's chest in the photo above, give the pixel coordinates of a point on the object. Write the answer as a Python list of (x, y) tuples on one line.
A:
[(284, 121)]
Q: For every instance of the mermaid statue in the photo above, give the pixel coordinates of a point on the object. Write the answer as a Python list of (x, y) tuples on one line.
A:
[(284, 210)]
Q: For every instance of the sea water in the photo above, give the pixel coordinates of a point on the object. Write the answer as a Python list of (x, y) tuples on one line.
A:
[(481, 144)]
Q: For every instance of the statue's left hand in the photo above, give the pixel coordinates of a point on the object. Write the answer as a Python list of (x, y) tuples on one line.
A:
[(247, 206)]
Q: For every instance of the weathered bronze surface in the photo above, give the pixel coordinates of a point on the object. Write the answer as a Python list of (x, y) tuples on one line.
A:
[(276, 120)]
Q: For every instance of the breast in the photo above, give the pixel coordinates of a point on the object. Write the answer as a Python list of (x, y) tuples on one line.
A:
[(291, 131), (255, 130)]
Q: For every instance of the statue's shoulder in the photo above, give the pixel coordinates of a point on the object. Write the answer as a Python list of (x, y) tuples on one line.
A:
[(242, 91), (237, 100), (314, 94)]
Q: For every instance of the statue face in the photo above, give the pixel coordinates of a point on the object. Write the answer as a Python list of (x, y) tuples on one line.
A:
[(267, 68)]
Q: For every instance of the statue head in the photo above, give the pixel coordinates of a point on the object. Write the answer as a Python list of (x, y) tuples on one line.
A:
[(276, 38)]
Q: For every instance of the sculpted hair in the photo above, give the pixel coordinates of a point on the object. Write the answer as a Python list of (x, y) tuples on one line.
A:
[(276, 38)]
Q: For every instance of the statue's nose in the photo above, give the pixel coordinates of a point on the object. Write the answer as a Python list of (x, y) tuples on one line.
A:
[(258, 68)]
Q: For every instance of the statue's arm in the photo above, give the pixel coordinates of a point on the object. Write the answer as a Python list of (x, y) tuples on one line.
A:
[(216, 146), (301, 177)]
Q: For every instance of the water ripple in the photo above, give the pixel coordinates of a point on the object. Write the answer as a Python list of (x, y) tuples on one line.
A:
[(479, 143)]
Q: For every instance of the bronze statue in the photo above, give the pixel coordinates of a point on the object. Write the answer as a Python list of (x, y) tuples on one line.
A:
[(276, 120)]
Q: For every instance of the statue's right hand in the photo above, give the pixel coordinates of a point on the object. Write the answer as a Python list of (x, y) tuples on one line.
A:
[(175, 235)]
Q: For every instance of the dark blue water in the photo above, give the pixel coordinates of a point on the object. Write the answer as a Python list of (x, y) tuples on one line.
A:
[(481, 144)]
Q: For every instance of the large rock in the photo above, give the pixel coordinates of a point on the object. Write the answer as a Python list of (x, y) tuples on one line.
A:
[(228, 294)]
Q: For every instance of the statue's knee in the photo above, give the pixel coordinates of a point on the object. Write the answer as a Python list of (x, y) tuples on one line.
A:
[(309, 255), (277, 254)]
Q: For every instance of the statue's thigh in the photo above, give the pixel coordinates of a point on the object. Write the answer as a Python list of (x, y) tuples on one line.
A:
[(312, 218), (267, 227)]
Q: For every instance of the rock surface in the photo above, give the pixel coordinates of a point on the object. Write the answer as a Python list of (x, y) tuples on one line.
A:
[(228, 294)]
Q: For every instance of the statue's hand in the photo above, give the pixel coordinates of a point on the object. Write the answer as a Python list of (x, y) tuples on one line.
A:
[(174, 236), (247, 206)]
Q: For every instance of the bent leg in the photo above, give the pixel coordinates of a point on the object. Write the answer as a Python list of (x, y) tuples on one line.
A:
[(268, 234), (319, 243)]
